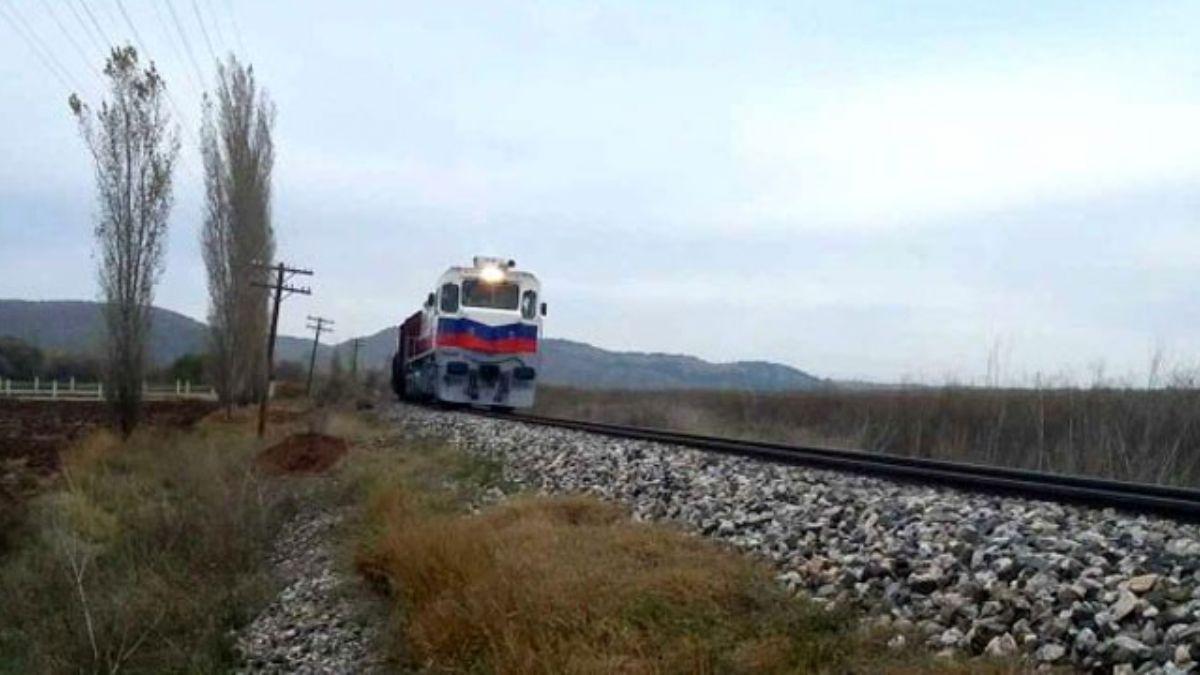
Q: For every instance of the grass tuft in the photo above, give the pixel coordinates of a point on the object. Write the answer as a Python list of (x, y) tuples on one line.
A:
[(569, 584)]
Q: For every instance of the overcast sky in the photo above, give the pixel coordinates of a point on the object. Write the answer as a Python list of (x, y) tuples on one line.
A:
[(877, 190)]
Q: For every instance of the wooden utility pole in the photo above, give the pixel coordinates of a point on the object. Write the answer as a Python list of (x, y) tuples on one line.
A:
[(318, 324), (279, 285), (354, 361)]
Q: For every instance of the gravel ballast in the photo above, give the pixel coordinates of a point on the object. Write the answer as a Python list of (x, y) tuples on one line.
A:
[(313, 625), (967, 573)]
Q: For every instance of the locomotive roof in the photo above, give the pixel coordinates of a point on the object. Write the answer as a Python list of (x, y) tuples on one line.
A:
[(471, 272)]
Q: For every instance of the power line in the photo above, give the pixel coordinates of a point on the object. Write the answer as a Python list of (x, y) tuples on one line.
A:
[(179, 56), (186, 44), (71, 38), (166, 90), (64, 76), (237, 31), (88, 10), (40, 57), (97, 42), (112, 18), (134, 30), (203, 30), (216, 24), (35, 44)]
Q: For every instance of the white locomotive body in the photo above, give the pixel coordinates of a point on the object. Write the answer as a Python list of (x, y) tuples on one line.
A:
[(476, 339)]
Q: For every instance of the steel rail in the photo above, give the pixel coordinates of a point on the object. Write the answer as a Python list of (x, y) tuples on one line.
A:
[(1174, 502)]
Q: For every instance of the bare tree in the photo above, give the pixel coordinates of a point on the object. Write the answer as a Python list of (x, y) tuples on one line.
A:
[(237, 237), (134, 146)]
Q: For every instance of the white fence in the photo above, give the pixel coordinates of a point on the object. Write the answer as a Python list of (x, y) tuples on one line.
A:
[(70, 390)]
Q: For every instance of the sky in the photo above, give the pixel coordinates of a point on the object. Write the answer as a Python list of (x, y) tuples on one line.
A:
[(870, 190)]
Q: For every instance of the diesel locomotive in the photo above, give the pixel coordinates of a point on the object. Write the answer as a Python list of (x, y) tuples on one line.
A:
[(475, 340)]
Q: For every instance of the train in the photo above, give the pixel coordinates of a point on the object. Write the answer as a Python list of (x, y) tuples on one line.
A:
[(475, 340)]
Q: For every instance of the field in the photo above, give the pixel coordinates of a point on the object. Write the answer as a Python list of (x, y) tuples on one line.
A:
[(34, 435), (1139, 435), (35, 432)]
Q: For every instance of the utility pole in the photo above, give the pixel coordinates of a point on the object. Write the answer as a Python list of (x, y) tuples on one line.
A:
[(354, 361), (279, 285), (318, 324)]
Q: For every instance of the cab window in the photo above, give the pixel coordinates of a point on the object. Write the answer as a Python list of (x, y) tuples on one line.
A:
[(449, 298), (478, 293), (529, 304)]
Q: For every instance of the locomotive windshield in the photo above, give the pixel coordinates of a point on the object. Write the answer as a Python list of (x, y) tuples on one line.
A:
[(502, 295)]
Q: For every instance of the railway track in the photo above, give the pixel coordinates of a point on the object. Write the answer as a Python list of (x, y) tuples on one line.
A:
[(1173, 502)]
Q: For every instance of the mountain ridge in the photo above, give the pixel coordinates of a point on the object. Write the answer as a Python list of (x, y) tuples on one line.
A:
[(74, 326)]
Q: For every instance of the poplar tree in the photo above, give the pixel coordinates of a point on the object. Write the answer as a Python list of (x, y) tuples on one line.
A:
[(237, 238), (134, 146)]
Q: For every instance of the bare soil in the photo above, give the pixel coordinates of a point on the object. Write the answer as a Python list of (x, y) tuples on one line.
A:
[(36, 432), (248, 414), (303, 453)]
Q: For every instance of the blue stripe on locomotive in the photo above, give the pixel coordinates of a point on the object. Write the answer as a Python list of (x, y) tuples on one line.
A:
[(452, 326)]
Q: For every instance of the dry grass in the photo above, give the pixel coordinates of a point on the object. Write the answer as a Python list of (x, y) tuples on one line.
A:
[(571, 585), (142, 557), (1140, 435)]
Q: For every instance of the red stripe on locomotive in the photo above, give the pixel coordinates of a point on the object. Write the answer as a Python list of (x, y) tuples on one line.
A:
[(477, 344)]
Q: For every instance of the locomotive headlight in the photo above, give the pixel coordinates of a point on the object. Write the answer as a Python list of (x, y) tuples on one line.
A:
[(491, 274)]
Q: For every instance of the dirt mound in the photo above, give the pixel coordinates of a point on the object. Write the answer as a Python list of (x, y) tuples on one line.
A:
[(303, 453)]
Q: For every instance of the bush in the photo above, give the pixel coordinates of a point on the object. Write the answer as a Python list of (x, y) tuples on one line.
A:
[(66, 366), (19, 360), (189, 368)]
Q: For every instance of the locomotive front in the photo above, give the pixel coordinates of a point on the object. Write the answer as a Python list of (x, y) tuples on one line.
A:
[(476, 339)]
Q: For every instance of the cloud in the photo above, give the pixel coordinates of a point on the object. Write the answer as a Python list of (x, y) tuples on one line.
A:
[(919, 150)]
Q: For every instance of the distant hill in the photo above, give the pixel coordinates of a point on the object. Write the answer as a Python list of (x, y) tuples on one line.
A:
[(581, 365), (75, 326), (576, 364)]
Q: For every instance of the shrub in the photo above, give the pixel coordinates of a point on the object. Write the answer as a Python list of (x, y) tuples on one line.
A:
[(189, 368), (18, 359)]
